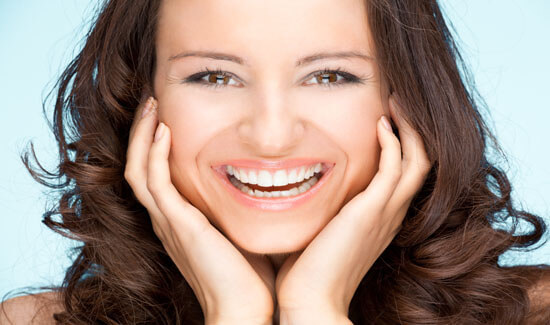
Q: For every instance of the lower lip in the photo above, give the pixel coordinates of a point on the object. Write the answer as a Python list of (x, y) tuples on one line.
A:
[(274, 204)]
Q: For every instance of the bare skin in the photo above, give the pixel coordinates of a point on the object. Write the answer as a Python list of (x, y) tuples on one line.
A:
[(336, 256), (39, 309), (198, 248), (277, 96), (268, 109), (31, 309)]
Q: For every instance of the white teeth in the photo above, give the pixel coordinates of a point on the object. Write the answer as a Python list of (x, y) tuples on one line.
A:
[(234, 182), (237, 174), (285, 193), (317, 167), (312, 181), (244, 176), (265, 179), (280, 177), (301, 174), (309, 173), (252, 177), (292, 192), (304, 187), (293, 176)]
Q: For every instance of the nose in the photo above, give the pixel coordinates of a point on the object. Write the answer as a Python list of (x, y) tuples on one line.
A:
[(271, 127)]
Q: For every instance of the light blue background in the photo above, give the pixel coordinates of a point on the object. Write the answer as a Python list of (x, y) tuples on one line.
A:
[(506, 43)]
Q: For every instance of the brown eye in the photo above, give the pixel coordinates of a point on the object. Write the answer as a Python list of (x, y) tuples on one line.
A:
[(329, 77), (215, 78)]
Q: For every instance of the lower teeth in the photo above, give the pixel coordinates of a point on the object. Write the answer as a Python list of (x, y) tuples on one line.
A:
[(292, 192)]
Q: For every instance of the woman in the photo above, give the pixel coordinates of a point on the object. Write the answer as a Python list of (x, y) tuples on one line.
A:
[(259, 180)]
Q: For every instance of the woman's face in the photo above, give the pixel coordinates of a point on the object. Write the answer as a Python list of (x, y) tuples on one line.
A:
[(272, 112)]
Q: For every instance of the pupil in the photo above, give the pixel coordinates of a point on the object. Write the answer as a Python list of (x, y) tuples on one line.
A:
[(214, 78), (331, 77)]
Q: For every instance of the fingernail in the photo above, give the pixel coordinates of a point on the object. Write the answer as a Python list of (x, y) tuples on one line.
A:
[(148, 107), (386, 123), (160, 132)]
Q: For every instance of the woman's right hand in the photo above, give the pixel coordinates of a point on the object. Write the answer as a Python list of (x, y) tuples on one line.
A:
[(231, 285)]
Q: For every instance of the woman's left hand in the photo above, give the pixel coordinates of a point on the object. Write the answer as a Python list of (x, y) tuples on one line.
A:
[(319, 283)]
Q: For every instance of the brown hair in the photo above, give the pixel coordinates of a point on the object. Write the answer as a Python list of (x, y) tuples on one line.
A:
[(442, 268)]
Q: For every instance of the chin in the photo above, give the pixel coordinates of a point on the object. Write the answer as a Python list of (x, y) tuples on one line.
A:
[(271, 241)]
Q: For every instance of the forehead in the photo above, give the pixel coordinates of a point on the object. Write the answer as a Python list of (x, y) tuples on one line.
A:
[(256, 28)]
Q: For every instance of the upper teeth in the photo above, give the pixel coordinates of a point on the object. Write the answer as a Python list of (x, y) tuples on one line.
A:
[(280, 177)]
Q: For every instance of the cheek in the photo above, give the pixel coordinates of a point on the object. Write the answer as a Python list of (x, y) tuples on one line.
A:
[(350, 121), (193, 121), (346, 114), (364, 156), (184, 118)]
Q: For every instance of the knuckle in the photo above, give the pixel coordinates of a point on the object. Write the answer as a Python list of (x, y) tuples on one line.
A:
[(163, 207), (396, 176), (129, 176), (394, 173), (397, 171), (151, 185), (157, 229), (155, 188), (424, 165)]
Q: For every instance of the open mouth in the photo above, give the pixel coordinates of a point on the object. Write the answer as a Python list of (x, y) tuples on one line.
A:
[(277, 184), (298, 186), (273, 188)]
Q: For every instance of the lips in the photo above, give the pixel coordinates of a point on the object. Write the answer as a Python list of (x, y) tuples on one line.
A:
[(273, 194)]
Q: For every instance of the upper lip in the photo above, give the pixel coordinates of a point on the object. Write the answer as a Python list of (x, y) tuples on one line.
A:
[(272, 164)]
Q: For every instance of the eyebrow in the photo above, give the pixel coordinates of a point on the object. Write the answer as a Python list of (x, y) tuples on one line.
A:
[(302, 61)]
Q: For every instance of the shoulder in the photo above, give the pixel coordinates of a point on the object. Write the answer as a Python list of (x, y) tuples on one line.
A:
[(31, 309), (539, 291), (539, 295)]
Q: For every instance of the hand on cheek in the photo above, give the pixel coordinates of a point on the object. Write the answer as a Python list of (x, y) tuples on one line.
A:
[(319, 282), (231, 286)]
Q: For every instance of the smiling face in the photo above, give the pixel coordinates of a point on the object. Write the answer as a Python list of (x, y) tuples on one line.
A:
[(273, 106)]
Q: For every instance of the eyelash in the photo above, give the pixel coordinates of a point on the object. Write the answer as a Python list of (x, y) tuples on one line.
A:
[(348, 78)]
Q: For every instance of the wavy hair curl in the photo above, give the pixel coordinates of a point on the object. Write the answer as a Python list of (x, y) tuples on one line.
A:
[(442, 268)]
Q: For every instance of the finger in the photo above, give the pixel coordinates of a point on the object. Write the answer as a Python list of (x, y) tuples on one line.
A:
[(142, 110), (138, 146), (135, 171), (414, 152), (389, 166), (381, 187), (416, 163), (167, 198), (143, 126)]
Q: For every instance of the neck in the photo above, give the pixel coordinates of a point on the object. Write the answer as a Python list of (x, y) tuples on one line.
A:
[(277, 260)]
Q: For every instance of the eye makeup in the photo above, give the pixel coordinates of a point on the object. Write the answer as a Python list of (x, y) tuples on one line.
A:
[(326, 78)]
